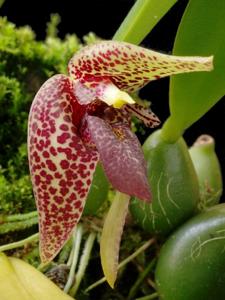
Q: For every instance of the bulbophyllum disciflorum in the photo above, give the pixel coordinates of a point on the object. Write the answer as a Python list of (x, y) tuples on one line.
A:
[(79, 119)]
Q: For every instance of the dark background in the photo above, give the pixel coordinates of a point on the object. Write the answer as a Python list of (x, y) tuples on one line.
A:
[(104, 17)]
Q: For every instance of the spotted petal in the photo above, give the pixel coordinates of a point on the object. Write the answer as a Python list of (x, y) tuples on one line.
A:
[(61, 166), (121, 156), (143, 113), (128, 66)]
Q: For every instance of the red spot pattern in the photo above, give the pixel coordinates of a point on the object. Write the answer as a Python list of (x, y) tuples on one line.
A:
[(68, 121), (60, 179), (64, 164), (128, 66)]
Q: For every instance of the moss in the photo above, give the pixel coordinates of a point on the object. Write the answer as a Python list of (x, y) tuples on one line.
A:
[(16, 197), (13, 117)]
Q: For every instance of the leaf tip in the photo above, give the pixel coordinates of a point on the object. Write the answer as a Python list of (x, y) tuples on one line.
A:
[(111, 283)]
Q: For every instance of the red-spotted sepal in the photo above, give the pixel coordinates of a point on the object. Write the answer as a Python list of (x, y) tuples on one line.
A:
[(128, 66), (121, 155), (61, 165)]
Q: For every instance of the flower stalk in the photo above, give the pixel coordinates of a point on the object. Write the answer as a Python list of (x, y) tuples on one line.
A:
[(83, 262), (73, 259), (123, 263), (21, 243)]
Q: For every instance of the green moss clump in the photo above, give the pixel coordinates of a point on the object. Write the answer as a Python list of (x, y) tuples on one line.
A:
[(16, 196)]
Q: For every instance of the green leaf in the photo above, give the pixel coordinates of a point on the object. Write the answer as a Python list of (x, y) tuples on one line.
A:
[(141, 19), (201, 32), (1, 3)]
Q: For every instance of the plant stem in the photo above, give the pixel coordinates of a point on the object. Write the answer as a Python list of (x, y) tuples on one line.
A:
[(83, 262), (140, 279), (123, 263), (136, 253), (141, 19), (65, 253), (17, 222), (20, 217), (170, 131), (77, 237), (15, 226), (95, 284), (21, 243), (149, 297)]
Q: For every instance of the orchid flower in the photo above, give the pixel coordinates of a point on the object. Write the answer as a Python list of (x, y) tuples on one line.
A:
[(79, 119)]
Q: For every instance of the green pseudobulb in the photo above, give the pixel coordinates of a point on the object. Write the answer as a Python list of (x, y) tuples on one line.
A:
[(174, 185), (191, 262), (208, 170)]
